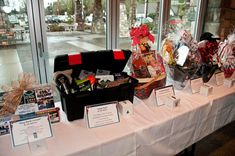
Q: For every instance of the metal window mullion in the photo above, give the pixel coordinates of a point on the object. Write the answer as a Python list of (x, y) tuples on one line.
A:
[(43, 35), (201, 13), (164, 16), (35, 28), (35, 57), (112, 23)]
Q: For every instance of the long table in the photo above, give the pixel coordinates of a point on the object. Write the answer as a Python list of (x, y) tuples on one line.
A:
[(150, 131)]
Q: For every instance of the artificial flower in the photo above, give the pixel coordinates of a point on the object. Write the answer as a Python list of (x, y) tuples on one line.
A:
[(137, 33)]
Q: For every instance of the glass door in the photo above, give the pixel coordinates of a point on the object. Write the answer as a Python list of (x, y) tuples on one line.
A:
[(17, 54)]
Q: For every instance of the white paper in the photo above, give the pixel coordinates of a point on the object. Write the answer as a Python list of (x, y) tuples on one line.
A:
[(219, 77), (30, 130), (105, 77), (26, 108), (182, 55), (228, 83), (196, 85), (100, 115), (163, 93)]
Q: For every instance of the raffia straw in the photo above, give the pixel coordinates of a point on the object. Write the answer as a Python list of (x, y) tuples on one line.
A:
[(15, 91)]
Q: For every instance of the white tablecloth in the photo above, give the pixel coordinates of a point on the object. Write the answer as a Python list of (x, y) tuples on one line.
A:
[(151, 131)]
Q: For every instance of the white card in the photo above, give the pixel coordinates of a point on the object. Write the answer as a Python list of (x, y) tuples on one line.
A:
[(101, 114), (206, 90), (229, 83), (196, 85), (104, 77), (26, 108), (182, 55), (30, 130), (219, 78), (163, 93)]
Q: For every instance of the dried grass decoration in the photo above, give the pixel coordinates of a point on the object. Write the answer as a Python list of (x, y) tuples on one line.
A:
[(147, 66), (14, 92)]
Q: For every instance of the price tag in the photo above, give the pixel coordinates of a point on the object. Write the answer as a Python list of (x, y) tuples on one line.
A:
[(196, 85), (163, 93), (101, 114)]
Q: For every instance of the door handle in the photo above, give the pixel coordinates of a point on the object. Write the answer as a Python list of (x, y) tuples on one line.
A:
[(40, 49)]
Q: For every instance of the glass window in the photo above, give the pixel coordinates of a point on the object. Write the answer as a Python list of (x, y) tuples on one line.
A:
[(183, 15), (74, 26), (212, 18), (15, 44), (220, 18), (134, 13)]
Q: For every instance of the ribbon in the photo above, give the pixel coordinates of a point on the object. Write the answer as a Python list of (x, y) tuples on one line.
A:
[(14, 92)]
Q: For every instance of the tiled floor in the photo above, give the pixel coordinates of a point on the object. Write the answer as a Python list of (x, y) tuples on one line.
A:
[(220, 143)]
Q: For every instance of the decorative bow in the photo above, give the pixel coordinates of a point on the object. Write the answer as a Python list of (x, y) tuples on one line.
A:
[(14, 92)]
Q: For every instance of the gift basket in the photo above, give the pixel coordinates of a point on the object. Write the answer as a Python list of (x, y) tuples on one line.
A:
[(14, 93), (179, 51), (81, 83), (25, 98), (146, 65), (208, 49), (226, 54)]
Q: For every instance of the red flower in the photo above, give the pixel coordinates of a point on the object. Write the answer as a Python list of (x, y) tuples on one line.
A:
[(137, 33), (144, 30)]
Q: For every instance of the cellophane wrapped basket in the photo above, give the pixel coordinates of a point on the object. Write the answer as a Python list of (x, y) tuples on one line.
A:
[(179, 51), (147, 66), (208, 49), (226, 55)]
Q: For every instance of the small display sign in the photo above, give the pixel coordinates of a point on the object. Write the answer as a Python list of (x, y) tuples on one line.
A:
[(196, 85), (219, 78), (101, 114), (29, 130), (163, 93)]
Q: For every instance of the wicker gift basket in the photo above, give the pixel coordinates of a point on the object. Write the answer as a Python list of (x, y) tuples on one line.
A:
[(146, 65), (145, 86)]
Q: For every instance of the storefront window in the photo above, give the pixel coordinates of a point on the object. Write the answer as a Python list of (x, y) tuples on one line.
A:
[(183, 15)]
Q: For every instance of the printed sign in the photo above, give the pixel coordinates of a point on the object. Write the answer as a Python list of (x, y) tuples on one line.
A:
[(163, 93), (30, 130), (101, 114)]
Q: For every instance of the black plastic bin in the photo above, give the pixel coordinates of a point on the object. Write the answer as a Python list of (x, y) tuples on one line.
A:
[(114, 61)]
